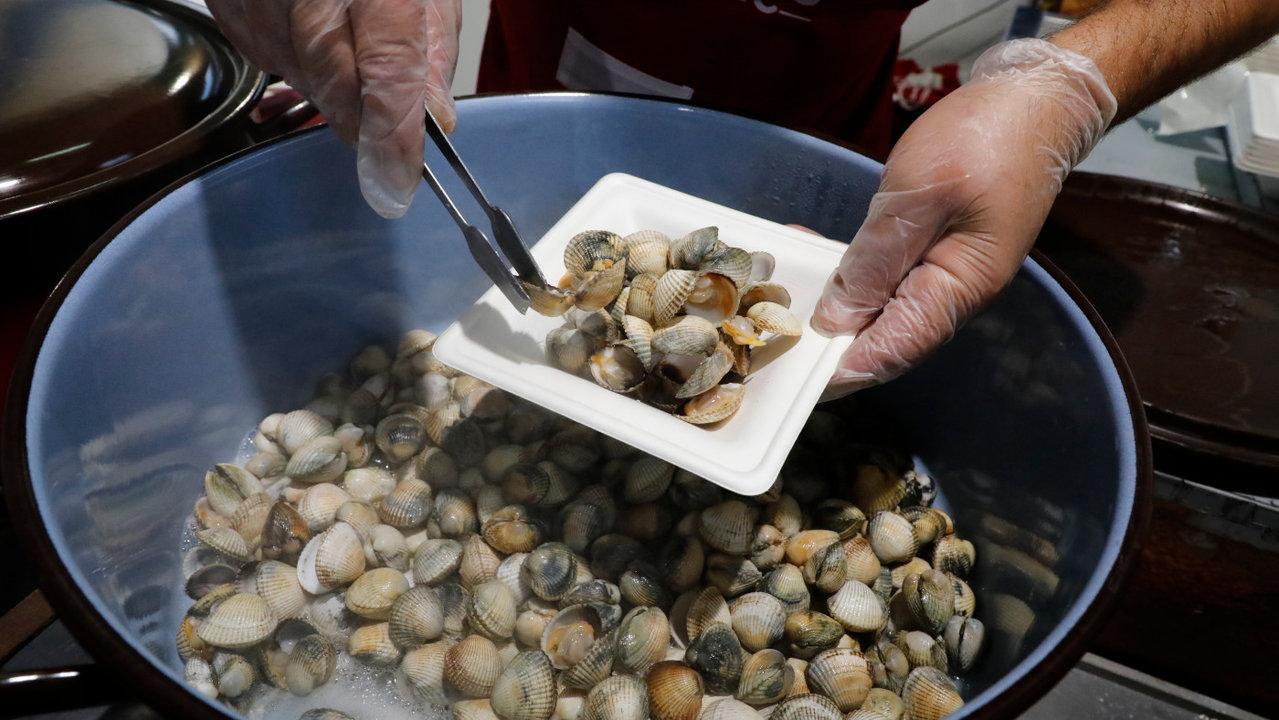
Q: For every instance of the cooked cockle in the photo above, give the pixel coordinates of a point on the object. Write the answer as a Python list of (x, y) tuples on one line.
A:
[(654, 583)]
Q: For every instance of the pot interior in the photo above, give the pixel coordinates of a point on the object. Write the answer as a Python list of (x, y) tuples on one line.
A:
[(228, 297)]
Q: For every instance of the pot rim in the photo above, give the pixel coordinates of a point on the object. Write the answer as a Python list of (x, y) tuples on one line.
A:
[(246, 88), (1035, 674)]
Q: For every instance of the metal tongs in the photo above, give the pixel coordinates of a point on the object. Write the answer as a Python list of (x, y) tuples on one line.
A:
[(507, 237)]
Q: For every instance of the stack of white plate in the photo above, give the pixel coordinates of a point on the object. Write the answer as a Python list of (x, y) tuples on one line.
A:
[(1252, 126)]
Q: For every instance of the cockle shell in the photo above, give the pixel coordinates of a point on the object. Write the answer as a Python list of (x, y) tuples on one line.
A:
[(826, 569), (639, 335), (593, 250), (416, 617), (647, 480), (234, 674), (718, 403), (332, 559), (525, 690), (809, 632), (861, 563), (620, 697), (550, 570), (732, 574), (729, 709), (277, 583), (492, 612), (227, 485), (297, 428), (408, 505), (373, 593), (708, 373), (713, 297), (733, 263), (547, 299), (931, 600), (319, 461), (807, 706), (472, 666), (689, 251), (311, 664), (857, 607), (368, 484), (842, 676), (227, 541), (774, 318), (640, 303), (479, 562), (930, 695), (642, 639), (674, 691), (617, 368), (717, 654), (687, 335), (786, 583), (319, 505), (762, 291), (400, 436), (954, 555), (595, 290), (766, 678), (801, 546), (892, 537), (964, 638), (436, 559), (728, 526), (646, 252), (424, 668), (758, 619), (240, 621), (672, 290), (707, 608)]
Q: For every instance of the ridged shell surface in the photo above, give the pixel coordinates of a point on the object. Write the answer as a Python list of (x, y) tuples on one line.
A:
[(277, 584), (766, 678), (240, 621), (758, 619), (674, 691), (774, 318), (672, 290), (424, 668), (728, 526), (642, 639), (930, 695), (373, 593), (620, 697), (808, 706), (857, 607), (416, 617), (472, 666), (842, 676), (526, 688), (332, 559), (718, 403)]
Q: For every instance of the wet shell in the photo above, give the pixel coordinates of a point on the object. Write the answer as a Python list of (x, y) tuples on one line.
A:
[(359, 515), (597, 289), (874, 490), (479, 562), (641, 584), (226, 486), (785, 515), (640, 336), (492, 612), (568, 348), (390, 548), (857, 607), (424, 668), (842, 676), (689, 251), (674, 691), (930, 695), (593, 250), (646, 522), (620, 697), (801, 546), (408, 505), (331, 559), (809, 633), (681, 561), (718, 655), (639, 303), (730, 709), (547, 299), (234, 674), (733, 263), (227, 541), (373, 593), (455, 513), (807, 706), (965, 600), (299, 427), (647, 480), (454, 600), (741, 330), (209, 577), (436, 559), (954, 555), (766, 678), (826, 568), (617, 368), (762, 291), (642, 639), (758, 619), (861, 563), (508, 573), (786, 583), (311, 664), (189, 643), (472, 666), (646, 252), (400, 436), (550, 570), (595, 664), (571, 634), (731, 574), (277, 584), (708, 608), (319, 505), (713, 297), (774, 318), (687, 335), (728, 526), (923, 650), (526, 688), (708, 373), (892, 537), (368, 484), (718, 403), (931, 600), (582, 522), (672, 290), (319, 461), (372, 644), (964, 638), (242, 620), (416, 617), (840, 516)]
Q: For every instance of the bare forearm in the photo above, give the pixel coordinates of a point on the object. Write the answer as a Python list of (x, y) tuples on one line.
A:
[(1148, 48)]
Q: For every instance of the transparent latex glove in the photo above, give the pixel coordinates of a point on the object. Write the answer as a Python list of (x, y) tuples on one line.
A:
[(369, 66), (962, 198)]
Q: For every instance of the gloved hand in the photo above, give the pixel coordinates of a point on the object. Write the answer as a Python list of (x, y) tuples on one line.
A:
[(369, 66), (961, 200)]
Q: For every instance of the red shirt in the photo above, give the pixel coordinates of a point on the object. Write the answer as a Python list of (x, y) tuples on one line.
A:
[(816, 65)]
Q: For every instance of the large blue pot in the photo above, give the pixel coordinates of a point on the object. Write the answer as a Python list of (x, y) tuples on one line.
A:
[(225, 298)]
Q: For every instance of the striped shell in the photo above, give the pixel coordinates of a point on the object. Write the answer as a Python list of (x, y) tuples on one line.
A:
[(674, 691), (718, 403), (472, 666), (930, 695), (620, 697), (774, 318), (416, 617), (687, 335), (857, 607), (842, 676), (332, 559), (241, 621), (672, 290), (766, 678), (646, 252), (526, 688), (373, 593)]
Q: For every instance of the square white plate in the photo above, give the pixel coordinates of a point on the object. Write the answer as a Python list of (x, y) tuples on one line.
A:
[(743, 453)]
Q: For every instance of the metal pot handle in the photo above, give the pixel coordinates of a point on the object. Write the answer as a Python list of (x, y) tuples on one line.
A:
[(28, 692)]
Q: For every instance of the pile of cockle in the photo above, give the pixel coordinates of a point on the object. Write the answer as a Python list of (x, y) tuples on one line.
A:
[(671, 322), (508, 563)]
